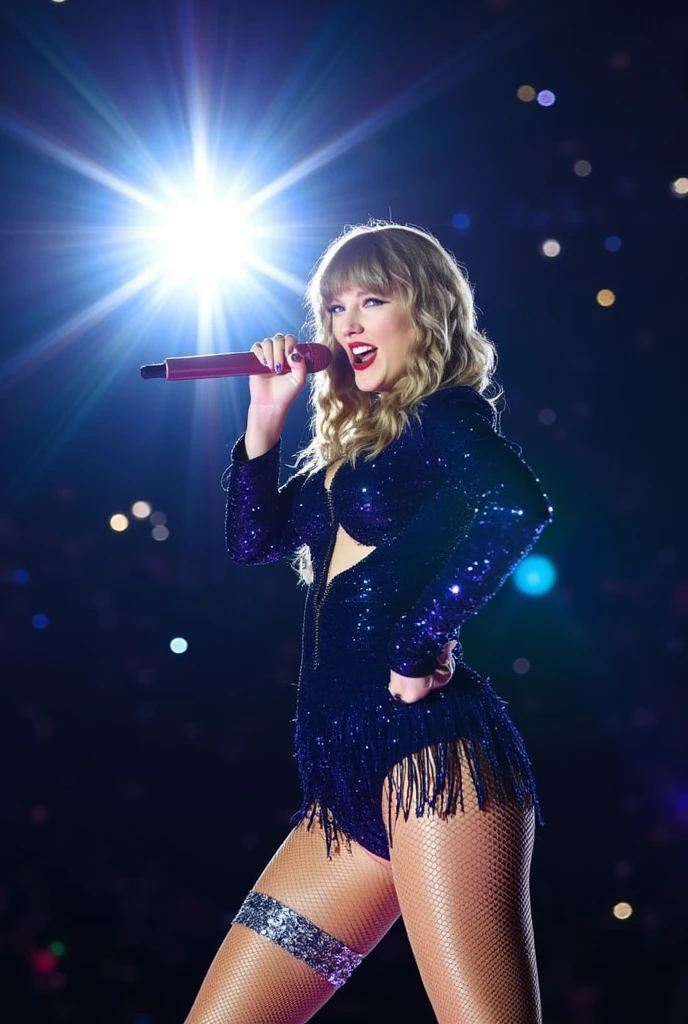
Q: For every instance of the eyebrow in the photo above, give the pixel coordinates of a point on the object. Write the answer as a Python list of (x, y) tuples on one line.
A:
[(357, 291)]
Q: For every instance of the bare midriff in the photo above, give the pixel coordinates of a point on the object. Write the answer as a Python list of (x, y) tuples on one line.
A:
[(347, 551)]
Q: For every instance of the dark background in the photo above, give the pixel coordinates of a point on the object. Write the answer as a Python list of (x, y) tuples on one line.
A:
[(142, 791)]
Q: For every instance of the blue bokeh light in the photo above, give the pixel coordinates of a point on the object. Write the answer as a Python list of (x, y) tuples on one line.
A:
[(612, 243), (179, 645), (535, 576), (461, 221), (21, 576), (40, 621)]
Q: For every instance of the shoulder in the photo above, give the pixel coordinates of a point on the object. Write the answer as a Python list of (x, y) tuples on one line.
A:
[(455, 416)]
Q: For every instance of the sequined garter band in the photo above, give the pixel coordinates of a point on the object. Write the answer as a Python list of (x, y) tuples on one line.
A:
[(299, 936)]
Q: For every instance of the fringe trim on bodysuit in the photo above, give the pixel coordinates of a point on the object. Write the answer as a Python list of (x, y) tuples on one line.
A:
[(347, 760)]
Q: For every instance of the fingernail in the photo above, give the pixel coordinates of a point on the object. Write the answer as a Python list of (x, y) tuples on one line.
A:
[(278, 367), (265, 362), (296, 357)]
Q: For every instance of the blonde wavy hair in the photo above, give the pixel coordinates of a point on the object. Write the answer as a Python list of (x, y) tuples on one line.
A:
[(446, 350)]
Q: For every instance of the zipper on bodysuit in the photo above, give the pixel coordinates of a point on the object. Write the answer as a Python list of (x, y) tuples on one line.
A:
[(319, 599)]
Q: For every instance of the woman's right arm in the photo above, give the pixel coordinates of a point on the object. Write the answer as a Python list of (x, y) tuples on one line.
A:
[(259, 524)]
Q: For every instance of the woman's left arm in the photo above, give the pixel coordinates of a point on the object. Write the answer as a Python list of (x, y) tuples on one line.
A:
[(471, 534)]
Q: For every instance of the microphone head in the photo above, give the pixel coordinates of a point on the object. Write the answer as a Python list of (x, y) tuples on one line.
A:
[(317, 357)]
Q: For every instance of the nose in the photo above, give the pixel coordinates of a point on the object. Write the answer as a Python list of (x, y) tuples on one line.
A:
[(352, 325)]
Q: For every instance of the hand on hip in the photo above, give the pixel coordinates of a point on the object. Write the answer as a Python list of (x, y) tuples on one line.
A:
[(408, 690)]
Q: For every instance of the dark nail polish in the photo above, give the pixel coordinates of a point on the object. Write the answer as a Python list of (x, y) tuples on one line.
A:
[(296, 357), (278, 368)]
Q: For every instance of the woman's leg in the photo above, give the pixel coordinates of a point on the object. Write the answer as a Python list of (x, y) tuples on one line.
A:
[(304, 922), (463, 887)]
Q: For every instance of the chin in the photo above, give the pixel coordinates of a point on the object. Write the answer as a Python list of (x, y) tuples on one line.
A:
[(372, 388)]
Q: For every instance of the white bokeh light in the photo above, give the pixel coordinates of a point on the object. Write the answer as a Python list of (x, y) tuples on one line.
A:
[(141, 510)]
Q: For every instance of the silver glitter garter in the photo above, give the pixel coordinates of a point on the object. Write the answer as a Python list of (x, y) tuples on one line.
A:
[(299, 936)]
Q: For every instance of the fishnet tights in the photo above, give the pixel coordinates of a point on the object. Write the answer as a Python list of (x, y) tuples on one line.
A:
[(461, 883)]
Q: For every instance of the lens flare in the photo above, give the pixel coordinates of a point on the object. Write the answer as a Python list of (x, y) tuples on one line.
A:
[(201, 240)]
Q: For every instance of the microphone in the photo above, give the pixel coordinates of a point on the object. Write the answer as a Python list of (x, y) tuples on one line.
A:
[(231, 364)]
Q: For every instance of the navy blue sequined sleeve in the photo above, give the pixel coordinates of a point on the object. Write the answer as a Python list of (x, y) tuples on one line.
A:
[(259, 526), (469, 536)]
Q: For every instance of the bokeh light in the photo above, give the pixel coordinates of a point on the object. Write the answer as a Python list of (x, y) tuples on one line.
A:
[(179, 645), (119, 522), (44, 962), (158, 519), (622, 911), (620, 60), (141, 510), (606, 297), (550, 248), (521, 666), (461, 221), (21, 577), (535, 576), (612, 243), (58, 949), (582, 168), (680, 187), (546, 98), (160, 533), (526, 94), (40, 621)]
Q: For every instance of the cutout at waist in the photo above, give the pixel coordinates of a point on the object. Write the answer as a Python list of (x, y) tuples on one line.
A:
[(346, 553)]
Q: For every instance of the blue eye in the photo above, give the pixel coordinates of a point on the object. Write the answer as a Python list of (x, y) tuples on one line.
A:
[(337, 306)]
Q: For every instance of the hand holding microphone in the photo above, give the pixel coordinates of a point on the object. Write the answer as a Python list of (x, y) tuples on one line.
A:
[(277, 368), (286, 376), (240, 364)]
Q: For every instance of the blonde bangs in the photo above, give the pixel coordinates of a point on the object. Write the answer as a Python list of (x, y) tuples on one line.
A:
[(362, 262)]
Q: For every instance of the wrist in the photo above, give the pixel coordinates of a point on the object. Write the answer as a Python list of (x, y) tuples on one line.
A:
[(263, 430)]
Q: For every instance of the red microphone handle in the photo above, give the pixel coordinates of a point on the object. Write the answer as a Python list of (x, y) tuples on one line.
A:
[(231, 364)]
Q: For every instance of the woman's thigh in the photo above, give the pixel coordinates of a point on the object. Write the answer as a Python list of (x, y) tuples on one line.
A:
[(462, 881), (257, 979)]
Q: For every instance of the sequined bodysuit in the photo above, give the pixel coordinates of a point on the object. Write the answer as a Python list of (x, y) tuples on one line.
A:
[(450, 508)]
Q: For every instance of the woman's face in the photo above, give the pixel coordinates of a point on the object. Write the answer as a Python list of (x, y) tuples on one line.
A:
[(362, 320)]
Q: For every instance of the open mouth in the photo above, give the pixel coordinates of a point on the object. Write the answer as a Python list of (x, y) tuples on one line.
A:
[(363, 357)]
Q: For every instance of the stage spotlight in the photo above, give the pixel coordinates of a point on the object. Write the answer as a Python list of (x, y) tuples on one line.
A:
[(201, 240)]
